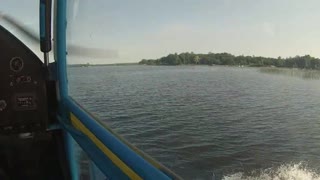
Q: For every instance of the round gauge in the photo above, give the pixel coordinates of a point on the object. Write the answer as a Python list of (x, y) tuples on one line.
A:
[(16, 64)]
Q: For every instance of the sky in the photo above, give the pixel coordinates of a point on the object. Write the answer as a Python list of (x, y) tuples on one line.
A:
[(149, 29)]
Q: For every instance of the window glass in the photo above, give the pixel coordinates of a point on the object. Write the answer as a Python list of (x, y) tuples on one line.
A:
[(210, 88)]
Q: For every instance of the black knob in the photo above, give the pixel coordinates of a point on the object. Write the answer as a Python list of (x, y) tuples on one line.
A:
[(3, 105)]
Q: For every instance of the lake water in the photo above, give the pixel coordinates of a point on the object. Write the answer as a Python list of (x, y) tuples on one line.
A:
[(235, 123)]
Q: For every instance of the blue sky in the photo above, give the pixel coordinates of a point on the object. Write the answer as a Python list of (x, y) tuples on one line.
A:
[(151, 29)]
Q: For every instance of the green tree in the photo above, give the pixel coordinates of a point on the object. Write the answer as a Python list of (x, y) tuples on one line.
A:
[(196, 59), (306, 61)]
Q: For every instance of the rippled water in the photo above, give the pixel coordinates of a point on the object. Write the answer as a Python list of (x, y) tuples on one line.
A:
[(235, 123)]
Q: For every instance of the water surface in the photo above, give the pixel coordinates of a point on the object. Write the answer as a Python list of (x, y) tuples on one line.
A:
[(200, 120)]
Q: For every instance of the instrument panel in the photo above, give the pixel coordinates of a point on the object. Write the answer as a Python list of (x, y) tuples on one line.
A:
[(23, 98)]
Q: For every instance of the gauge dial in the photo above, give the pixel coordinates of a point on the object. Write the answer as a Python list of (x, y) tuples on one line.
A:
[(16, 64)]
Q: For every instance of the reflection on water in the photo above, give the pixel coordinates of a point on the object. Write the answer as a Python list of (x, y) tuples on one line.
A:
[(294, 72)]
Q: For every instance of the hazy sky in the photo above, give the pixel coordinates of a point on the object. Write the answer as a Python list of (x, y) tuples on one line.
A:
[(140, 29)]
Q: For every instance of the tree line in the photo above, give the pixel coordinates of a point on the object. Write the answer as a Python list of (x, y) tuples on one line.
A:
[(303, 62)]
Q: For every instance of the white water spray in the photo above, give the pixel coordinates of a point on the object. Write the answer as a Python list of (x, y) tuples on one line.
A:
[(284, 172)]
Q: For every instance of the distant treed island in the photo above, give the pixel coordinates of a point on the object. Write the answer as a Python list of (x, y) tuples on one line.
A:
[(303, 62)]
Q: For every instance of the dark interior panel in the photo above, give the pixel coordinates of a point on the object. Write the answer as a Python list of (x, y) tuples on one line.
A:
[(23, 104), (28, 150)]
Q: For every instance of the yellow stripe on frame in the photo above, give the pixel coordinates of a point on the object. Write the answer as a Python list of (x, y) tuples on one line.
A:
[(118, 162)]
